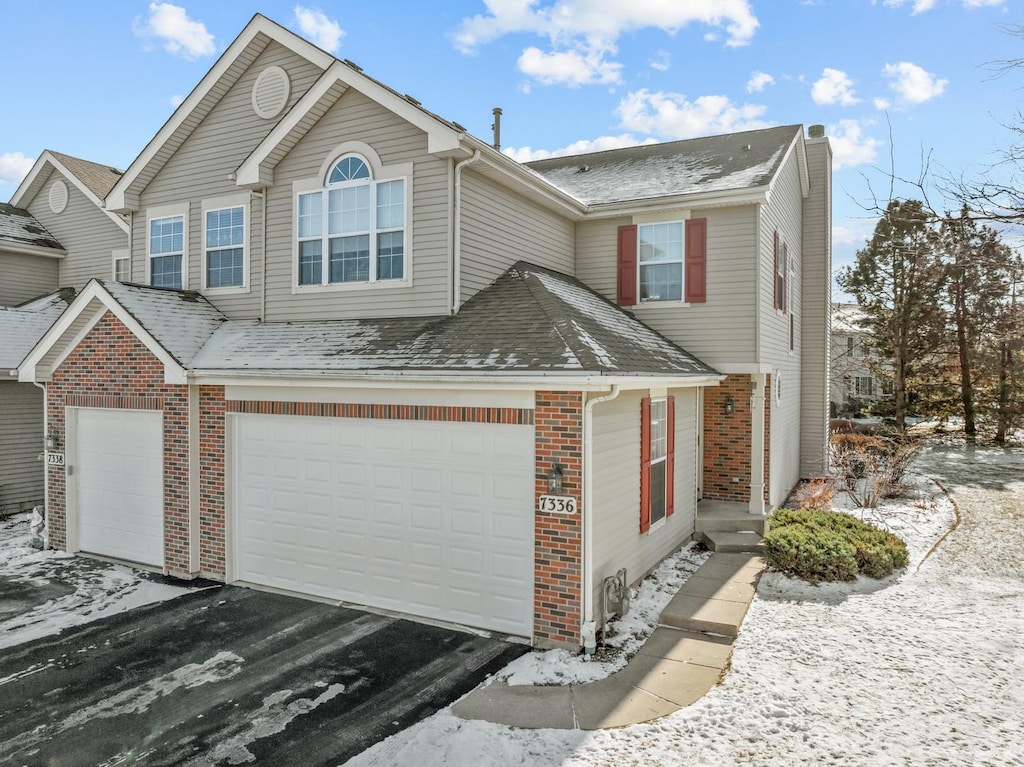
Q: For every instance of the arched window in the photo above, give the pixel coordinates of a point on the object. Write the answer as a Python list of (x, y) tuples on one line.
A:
[(353, 230)]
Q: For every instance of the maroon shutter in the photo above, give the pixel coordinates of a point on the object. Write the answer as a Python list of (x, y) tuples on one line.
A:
[(696, 260), (645, 464), (775, 272), (784, 282), (627, 265), (670, 455)]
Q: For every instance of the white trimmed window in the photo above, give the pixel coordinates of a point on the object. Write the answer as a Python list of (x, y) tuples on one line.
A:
[(354, 228), (122, 265), (226, 244), (166, 244), (660, 261)]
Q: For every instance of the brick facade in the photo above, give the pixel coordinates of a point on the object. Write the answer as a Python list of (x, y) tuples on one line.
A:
[(212, 496), (558, 566), (111, 368), (727, 440)]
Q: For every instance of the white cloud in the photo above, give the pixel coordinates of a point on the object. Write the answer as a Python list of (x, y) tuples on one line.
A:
[(661, 60), (882, 104), (323, 32), (176, 100), (600, 144), (759, 81), (913, 83), (14, 166), (572, 68), (850, 146), (916, 6), (982, 3), (582, 33), (833, 87), (181, 35), (672, 116)]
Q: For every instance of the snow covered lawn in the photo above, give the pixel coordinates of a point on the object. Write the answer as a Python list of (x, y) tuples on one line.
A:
[(44, 592), (926, 667)]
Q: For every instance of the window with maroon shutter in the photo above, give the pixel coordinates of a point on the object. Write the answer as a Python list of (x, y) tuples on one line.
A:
[(696, 260), (627, 265), (784, 301), (775, 270), (657, 460)]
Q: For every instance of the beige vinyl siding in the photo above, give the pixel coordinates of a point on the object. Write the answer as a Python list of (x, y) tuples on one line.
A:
[(816, 310), (21, 424), (720, 331), (500, 227), (355, 117), (83, 230), (618, 542), (201, 169), (24, 277)]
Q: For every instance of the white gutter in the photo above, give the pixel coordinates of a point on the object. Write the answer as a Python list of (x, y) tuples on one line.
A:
[(457, 234), (263, 257), (589, 629)]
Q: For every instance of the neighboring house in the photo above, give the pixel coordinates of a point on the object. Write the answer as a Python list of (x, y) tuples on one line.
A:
[(858, 377), (54, 235), (369, 358)]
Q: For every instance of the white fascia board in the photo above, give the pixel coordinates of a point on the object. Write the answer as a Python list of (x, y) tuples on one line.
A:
[(797, 146), (728, 198), (433, 379), (46, 158), (83, 304), (119, 198), (743, 368), (441, 138), (25, 249)]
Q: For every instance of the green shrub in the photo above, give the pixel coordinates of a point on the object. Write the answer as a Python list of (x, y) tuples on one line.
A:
[(821, 545)]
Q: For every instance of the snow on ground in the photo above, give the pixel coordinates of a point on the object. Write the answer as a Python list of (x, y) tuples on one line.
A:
[(926, 667), (630, 632), (79, 589)]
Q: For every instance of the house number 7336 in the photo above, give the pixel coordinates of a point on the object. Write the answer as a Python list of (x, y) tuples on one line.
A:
[(557, 504)]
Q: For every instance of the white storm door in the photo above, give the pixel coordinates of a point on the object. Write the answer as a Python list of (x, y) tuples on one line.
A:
[(119, 474)]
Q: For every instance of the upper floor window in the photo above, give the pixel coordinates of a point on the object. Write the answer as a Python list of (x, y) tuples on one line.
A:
[(662, 261), (224, 251), (660, 250), (353, 229), (166, 251), (781, 275)]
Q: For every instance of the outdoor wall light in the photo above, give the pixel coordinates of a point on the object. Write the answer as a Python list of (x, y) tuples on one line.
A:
[(51, 440), (555, 478), (729, 406)]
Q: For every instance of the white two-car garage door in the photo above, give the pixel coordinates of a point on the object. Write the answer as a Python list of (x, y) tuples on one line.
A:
[(429, 518), (118, 474)]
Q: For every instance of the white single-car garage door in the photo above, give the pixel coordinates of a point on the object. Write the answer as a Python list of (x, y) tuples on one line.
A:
[(119, 474), (429, 518)]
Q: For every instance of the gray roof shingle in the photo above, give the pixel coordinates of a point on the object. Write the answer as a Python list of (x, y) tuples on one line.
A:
[(22, 326), (20, 227), (98, 178), (735, 161)]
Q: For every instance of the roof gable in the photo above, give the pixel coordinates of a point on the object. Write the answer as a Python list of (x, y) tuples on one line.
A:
[(92, 179), (20, 232)]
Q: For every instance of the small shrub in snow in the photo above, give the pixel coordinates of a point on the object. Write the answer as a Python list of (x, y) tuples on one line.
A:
[(815, 494), (821, 545), (870, 468)]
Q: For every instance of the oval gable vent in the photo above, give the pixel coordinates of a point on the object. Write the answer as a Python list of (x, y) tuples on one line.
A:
[(270, 93), (58, 196)]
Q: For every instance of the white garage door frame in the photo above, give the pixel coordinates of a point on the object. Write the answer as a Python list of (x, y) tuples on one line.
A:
[(82, 463), (242, 446)]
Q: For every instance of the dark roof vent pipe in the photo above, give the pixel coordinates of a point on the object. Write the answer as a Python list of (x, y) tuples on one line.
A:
[(816, 131), (496, 127)]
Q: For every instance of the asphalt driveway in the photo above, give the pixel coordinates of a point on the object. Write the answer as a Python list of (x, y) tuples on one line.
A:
[(230, 676)]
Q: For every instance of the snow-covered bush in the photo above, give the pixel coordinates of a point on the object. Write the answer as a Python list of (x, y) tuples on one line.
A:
[(870, 468)]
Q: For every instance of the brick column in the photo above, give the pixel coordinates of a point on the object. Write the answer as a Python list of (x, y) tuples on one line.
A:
[(212, 509), (558, 547)]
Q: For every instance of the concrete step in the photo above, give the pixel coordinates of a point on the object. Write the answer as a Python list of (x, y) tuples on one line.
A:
[(729, 522), (733, 542)]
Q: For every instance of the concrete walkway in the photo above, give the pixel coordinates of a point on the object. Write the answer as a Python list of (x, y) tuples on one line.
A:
[(684, 658)]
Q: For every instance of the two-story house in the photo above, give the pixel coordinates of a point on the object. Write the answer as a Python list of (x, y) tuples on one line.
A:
[(367, 357), (54, 236), (858, 377)]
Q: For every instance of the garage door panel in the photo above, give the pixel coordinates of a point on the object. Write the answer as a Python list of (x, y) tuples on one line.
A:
[(119, 483), (416, 509)]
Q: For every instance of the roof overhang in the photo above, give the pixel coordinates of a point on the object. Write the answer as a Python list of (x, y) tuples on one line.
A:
[(31, 184), (258, 33), (726, 198), (74, 325), (25, 249)]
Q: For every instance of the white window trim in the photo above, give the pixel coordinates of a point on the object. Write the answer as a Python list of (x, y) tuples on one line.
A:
[(677, 303), (169, 211), (120, 254), (664, 459), (242, 200), (380, 173)]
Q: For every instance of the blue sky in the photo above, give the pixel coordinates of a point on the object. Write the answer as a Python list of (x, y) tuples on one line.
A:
[(97, 80)]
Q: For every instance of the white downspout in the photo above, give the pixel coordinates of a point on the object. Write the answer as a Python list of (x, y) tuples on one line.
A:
[(757, 386), (589, 628), (457, 234), (46, 465), (263, 256)]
